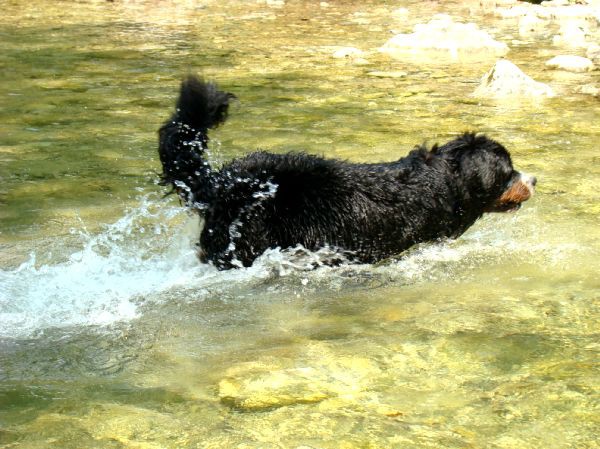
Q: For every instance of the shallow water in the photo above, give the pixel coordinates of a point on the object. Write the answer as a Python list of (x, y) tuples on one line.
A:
[(113, 335)]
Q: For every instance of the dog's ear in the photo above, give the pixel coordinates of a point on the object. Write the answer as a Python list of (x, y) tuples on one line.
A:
[(428, 156), (483, 164), (422, 152)]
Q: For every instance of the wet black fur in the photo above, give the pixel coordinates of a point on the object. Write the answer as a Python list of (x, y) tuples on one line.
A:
[(368, 211)]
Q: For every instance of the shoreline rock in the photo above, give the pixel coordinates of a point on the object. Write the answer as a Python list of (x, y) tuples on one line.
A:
[(593, 53), (505, 79), (589, 89), (571, 63), (572, 34), (531, 24), (444, 36), (551, 11)]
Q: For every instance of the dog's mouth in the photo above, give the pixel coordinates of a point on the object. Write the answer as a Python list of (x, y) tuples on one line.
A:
[(517, 193), (504, 207)]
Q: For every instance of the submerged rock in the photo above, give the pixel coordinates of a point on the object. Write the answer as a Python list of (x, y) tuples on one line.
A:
[(571, 63), (505, 79), (443, 35), (263, 390), (133, 426), (265, 385)]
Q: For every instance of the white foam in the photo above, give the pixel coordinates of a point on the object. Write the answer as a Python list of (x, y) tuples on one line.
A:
[(105, 280)]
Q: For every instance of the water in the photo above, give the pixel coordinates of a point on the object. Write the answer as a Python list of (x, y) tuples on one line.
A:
[(113, 335)]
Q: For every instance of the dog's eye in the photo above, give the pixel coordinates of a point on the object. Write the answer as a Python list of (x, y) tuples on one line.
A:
[(512, 177)]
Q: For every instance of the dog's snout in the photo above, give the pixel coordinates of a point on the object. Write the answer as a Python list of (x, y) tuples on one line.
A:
[(529, 180)]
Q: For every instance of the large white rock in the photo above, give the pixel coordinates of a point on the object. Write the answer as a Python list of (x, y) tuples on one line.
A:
[(571, 63), (593, 52), (505, 79), (530, 24), (444, 36), (572, 34)]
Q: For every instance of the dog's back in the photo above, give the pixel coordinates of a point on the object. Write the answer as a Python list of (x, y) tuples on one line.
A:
[(367, 211)]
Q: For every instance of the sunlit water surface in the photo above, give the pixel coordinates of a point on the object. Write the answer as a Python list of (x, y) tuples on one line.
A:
[(113, 335)]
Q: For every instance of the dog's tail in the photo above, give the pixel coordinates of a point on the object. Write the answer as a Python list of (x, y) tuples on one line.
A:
[(183, 139)]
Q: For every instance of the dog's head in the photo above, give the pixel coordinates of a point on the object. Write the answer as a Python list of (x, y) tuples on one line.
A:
[(519, 189), (489, 181)]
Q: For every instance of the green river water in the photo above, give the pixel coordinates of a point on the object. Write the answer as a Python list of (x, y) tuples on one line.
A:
[(113, 335)]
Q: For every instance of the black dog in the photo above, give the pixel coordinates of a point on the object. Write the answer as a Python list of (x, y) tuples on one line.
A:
[(367, 212)]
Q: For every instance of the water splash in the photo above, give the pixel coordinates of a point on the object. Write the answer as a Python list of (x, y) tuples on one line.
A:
[(264, 191), (103, 281), (145, 256), (149, 255)]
